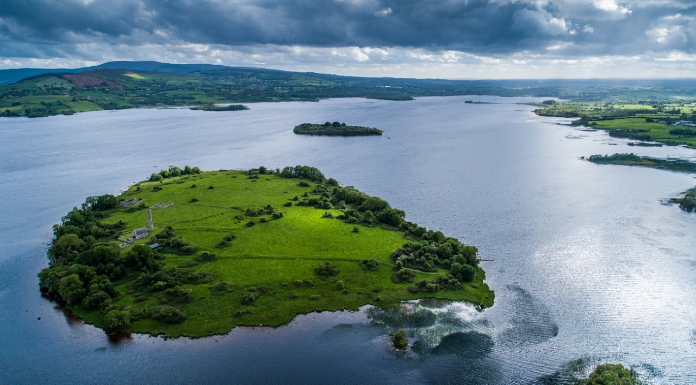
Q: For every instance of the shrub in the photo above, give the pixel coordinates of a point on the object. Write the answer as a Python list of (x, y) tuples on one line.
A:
[(327, 214), (308, 283), (294, 295), (159, 286), (248, 298), (369, 264), (193, 200), (303, 184), (221, 288), (193, 185), (188, 249), (117, 321), (250, 224), (356, 229), (327, 270), (403, 275), (314, 297), (400, 339), (287, 204), (188, 264), (263, 220), (167, 314), (211, 187), (297, 283), (96, 299), (340, 285), (176, 295), (206, 256)]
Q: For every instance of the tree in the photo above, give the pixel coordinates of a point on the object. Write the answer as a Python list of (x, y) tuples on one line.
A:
[(464, 273), (140, 256), (611, 374), (368, 217), (155, 177), (174, 171), (117, 321), (373, 204), (391, 217), (71, 289), (66, 248), (400, 339)]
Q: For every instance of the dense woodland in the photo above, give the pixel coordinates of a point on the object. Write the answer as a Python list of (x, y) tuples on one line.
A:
[(335, 129)]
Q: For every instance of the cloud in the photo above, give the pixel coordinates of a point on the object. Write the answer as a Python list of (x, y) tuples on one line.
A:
[(353, 32)]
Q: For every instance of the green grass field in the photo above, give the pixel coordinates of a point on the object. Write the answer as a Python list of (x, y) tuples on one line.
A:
[(271, 259), (626, 120)]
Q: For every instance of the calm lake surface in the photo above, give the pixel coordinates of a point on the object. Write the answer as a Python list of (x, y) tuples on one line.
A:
[(589, 260)]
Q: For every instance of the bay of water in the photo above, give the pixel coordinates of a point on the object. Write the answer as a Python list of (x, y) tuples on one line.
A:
[(588, 260)]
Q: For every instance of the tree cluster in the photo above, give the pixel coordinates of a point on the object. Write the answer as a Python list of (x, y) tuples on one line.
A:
[(174, 171)]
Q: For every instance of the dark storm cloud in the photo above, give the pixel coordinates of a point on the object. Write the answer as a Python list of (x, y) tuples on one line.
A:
[(572, 27)]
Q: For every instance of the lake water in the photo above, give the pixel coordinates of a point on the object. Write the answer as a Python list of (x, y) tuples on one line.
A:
[(588, 260)]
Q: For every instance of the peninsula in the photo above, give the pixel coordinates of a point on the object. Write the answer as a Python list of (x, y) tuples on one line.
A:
[(191, 253), (686, 202), (335, 129)]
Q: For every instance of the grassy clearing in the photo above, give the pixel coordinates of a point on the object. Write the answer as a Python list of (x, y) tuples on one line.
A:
[(273, 261), (135, 76)]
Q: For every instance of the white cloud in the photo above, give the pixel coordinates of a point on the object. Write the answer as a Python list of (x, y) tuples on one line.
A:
[(677, 56), (611, 6), (383, 12)]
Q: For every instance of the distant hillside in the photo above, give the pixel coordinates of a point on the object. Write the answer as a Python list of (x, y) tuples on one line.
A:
[(14, 75), (122, 85)]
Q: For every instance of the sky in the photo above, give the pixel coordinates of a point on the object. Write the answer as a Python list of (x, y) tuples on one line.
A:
[(458, 39)]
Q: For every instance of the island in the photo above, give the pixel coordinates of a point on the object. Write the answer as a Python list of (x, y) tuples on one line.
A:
[(191, 253), (213, 107), (335, 129)]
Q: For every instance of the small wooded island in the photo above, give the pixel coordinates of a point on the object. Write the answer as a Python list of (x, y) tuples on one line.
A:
[(213, 107), (191, 253), (335, 129)]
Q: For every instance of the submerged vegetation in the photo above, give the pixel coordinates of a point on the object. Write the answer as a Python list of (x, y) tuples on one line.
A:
[(257, 249), (335, 129)]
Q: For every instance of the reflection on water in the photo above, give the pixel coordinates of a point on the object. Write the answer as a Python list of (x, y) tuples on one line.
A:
[(530, 320)]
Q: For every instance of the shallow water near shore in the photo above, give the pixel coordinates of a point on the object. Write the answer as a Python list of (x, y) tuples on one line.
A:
[(588, 260)]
